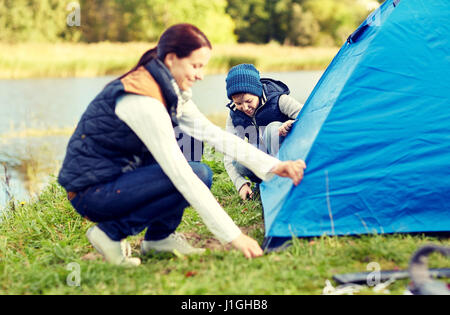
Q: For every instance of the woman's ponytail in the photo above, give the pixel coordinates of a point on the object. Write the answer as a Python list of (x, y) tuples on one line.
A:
[(146, 58)]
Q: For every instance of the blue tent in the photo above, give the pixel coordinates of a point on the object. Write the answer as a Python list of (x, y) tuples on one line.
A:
[(374, 133)]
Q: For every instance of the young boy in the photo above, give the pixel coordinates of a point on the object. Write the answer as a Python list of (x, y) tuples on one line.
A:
[(261, 111)]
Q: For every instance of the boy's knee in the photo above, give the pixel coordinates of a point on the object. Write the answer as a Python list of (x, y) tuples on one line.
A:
[(203, 172), (272, 131), (272, 138), (272, 128)]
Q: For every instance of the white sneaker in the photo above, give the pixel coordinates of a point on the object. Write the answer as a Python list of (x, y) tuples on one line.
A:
[(174, 243), (117, 253)]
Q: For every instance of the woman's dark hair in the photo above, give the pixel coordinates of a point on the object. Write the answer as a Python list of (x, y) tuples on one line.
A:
[(181, 39)]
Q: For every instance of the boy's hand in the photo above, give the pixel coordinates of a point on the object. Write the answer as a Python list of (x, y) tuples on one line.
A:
[(247, 245), (285, 127), (245, 191), (291, 169)]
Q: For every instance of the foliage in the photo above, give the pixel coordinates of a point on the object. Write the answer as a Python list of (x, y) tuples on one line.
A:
[(337, 19), (110, 20), (35, 21), (304, 28), (294, 22), (145, 20), (252, 20)]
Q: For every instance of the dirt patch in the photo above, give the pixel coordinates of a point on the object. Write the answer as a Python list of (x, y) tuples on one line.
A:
[(92, 256), (197, 240), (212, 243), (248, 229)]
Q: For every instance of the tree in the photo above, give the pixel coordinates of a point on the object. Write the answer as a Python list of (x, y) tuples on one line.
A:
[(304, 28), (35, 20), (337, 19), (209, 16), (145, 20), (298, 22), (252, 20), (111, 20)]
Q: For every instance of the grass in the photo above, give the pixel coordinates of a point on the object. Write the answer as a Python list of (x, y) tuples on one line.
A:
[(39, 240), (100, 59)]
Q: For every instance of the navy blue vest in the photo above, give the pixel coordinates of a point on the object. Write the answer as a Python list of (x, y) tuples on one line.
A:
[(103, 146), (268, 111)]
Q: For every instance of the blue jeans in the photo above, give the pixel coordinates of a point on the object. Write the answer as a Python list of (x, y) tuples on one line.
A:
[(272, 142), (143, 198)]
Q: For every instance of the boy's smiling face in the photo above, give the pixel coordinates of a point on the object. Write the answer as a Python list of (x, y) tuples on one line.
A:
[(246, 103)]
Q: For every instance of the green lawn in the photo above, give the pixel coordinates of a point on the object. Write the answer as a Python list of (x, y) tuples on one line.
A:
[(38, 241)]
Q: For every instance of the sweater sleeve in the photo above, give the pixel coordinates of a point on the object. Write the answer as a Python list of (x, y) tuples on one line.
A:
[(194, 123), (149, 119), (289, 106), (237, 179)]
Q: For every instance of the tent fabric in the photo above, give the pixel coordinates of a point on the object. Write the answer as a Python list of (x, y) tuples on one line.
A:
[(374, 133)]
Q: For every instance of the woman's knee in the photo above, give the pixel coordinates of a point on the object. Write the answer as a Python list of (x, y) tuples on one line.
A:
[(203, 172)]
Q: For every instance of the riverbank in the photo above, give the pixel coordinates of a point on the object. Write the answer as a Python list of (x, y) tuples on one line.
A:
[(19, 61), (43, 246)]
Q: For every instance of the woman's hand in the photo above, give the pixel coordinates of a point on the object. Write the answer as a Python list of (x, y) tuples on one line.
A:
[(291, 169), (245, 191), (285, 127), (247, 245)]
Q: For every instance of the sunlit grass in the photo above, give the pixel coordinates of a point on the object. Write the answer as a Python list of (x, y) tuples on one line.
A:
[(67, 60), (35, 133), (90, 60)]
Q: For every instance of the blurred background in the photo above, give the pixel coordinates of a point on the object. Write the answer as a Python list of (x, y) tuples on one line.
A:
[(55, 56)]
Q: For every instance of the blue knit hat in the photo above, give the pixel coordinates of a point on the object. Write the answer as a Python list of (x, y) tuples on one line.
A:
[(244, 78)]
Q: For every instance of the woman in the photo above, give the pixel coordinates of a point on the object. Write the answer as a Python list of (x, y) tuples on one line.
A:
[(124, 169)]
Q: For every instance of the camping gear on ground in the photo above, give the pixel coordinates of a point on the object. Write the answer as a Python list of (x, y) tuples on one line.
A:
[(386, 275), (422, 278), (422, 283)]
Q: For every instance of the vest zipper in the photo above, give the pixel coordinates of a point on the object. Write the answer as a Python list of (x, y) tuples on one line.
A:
[(256, 125)]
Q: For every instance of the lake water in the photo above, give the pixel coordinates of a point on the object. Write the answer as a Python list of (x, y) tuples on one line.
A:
[(37, 114)]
